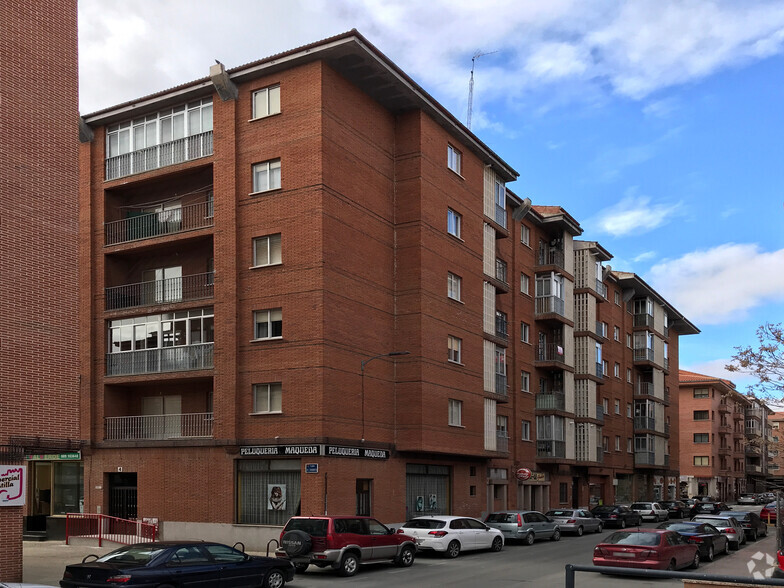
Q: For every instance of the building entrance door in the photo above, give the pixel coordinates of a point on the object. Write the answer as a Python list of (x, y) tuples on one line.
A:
[(122, 495)]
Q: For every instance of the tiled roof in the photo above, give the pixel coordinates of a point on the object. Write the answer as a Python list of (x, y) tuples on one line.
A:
[(686, 377)]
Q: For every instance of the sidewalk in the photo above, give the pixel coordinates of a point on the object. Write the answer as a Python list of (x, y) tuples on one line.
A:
[(45, 561)]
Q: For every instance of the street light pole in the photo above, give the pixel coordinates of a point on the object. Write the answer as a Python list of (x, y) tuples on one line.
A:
[(362, 380)]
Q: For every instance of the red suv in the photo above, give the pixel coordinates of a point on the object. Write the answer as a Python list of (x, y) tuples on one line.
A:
[(342, 543)]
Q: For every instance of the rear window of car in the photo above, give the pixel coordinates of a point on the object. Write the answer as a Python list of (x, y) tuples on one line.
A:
[(502, 517), (559, 513), (633, 538), (741, 516), (424, 524), (681, 527), (604, 509), (641, 505), (713, 521), (314, 527)]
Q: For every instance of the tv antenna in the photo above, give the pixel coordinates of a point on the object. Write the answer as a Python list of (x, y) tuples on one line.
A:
[(476, 56)]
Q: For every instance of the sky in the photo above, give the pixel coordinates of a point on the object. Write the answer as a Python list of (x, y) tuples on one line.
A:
[(657, 124)]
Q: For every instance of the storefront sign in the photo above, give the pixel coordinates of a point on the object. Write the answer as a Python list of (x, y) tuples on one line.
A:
[(70, 456), (12, 485), (280, 450), (311, 468), (523, 474), (538, 477), (342, 451)]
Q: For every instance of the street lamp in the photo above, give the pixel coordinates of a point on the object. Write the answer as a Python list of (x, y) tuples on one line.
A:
[(362, 381)]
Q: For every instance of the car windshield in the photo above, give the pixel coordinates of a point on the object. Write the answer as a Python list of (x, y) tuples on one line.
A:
[(737, 514), (139, 555), (502, 517), (559, 513), (679, 527), (712, 521), (424, 524), (314, 527), (633, 538)]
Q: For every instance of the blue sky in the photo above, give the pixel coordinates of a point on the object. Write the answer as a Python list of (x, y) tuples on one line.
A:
[(656, 123)]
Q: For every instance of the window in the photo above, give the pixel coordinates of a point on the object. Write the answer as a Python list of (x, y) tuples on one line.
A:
[(605, 367), (606, 444), (269, 323), (455, 348), (266, 398), (454, 222), (525, 235), (606, 405), (617, 298), (266, 101), (702, 437), (500, 203), (266, 250), (617, 370), (453, 286), (629, 409), (701, 460), (563, 492), (525, 284), (472, 490), (617, 443), (617, 406), (602, 327), (472, 471), (629, 340), (525, 428), (701, 393), (525, 381), (455, 413), (364, 493), (617, 333), (525, 332), (266, 176), (192, 327), (453, 159), (629, 448), (629, 375), (701, 415)]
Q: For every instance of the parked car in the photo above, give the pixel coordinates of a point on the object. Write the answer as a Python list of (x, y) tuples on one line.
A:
[(706, 537), (615, 514), (656, 549), (768, 512), (748, 499), (342, 543), (524, 525), (450, 535), (753, 525), (178, 563), (576, 520), (651, 510), (767, 497), (703, 498), (778, 571), (710, 508), (25, 585), (676, 508), (727, 525)]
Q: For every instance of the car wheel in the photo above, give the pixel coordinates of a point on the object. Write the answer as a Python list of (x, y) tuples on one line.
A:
[(765, 534), (726, 548), (579, 531), (498, 544), (406, 557), (667, 517), (556, 536), (623, 523), (743, 541), (529, 539), (348, 565), (754, 536), (672, 565), (600, 528), (736, 546), (695, 563), (275, 579), (453, 549), (711, 554), (300, 568)]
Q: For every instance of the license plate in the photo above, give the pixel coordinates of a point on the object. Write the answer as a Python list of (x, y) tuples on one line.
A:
[(624, 554)]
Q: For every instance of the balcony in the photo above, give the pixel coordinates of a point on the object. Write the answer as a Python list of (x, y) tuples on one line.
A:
[(551, 401), (642, 422), (644, 458), (550, 305), (738, 415), (724, 407), (550, 353), (500, 271), (643, 354), (552, 257), (160, 360), (754, 431), (157, 156), (599, 370), (550, 448), (645, 389), (157, 224), (153, 427), (666, 428), (754, 469), (600, 413), (600, 454), (501, 327), (500, 384), (502, 441), (601, 329), (601, 289), (725, 450), (666, 364), (168, 291), (500, 215), (643, 320)]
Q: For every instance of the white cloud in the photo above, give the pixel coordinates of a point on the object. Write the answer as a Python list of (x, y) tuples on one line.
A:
[(663, 108), (633, 215), (715, 369), (721, 284), (645, 256)]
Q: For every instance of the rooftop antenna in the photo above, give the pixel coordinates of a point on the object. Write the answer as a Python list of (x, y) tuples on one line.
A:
[(476, 56)]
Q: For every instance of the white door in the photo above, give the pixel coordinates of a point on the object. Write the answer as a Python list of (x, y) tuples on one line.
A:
[(168, 409)]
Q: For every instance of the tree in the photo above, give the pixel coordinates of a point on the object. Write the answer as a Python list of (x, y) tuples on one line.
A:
[(766, 362)]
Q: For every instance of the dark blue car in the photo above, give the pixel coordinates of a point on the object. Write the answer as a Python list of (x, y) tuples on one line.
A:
[(708, 538), (178, 563)]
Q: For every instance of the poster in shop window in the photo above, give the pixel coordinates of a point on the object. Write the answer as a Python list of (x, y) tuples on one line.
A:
[(12, 485), (432, 503), (276, 496)]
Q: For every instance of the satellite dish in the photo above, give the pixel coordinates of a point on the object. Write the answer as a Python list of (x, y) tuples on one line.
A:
[(522, 210)]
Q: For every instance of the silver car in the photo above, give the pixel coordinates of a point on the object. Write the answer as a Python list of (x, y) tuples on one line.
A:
[(524, 525), (576, 520), (729, 526)]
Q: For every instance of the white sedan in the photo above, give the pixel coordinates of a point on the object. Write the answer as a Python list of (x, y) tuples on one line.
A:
[(451, 535), (651, 510)]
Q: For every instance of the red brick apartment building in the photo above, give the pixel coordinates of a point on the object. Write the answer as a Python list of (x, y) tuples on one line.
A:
[(39, 371), (776, 453), (726, 442), (304, 277)]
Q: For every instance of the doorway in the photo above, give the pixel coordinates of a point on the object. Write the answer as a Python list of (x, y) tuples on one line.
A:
[(122, 495)]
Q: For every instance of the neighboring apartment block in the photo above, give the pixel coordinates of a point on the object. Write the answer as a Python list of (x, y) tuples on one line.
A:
[(304, 277), (775, 452)]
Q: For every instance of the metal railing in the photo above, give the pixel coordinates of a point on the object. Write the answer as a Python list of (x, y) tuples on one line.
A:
[(550, 448), (644, 458), (500, 271), (599, 370), (170, 290), (601, 288), (643, 320), (156, 224), (500, 384), (502, 441), (551, 401), (552, 257), (550, 304), (643, 354), (601, 329), (642, 422), (159, 426), (106, 528), (550, 352), (600, 413), (166, 359), (158, 156), (500, 215), (501, 327), (645, 389)]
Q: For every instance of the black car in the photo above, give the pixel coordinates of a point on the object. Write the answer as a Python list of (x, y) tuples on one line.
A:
[(713, 508), (708, 538), (615, 514), (181, 564), (753, 525), (676, 508)]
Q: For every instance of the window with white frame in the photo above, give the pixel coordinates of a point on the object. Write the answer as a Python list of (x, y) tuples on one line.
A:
[(629, 375), (525, 429), (606, 444), (617, 333), (617, 370), (629, 448), (606, 405), (617, 443), (266, 176), (455, 345), (454, 222), (453, 286), (525, 235), (629, 340), (192, 327), (266, 250), (455, 413), (701, 460), (617, 298), (629, 409), (525, 332), (268, 323), (267, 398), (525, 381), (266, 101), (525, 283), (454, 159), (617, 406)]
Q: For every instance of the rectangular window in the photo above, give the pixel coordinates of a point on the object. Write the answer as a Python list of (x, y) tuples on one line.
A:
[(453, 283), (617, 443), (266, 250), (606, 444), (266, 176), (454, 222), (702, 437), (629, 375), (525, 284), (617, 298), (701, 393), (629, 409), (701, 415), (525, 428), (364, 491), (606, 405), (629, 340), (269, 323), (617, 370), (455, 413), (617, 333), (525, 332), (629, 448), (563, 492), (453, 159), (605, 367), (267, 398), (525, 235), (266, 101), (525, 381), (617, 406), (455, 345), (701, 460)]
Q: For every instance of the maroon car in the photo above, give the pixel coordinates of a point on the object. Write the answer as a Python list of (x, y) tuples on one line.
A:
[(653, 549)]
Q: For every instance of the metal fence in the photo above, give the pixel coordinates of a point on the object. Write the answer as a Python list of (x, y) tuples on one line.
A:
[(170, 153), (165, 359), (159, 426), (715, 579), (106, 528), (156, 224), (167, 291)]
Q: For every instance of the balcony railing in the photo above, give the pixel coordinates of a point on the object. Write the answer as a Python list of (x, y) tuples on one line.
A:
[(549, 448), (157, 156), (156, 224), (645, 388), (552, 257), (502, 441), (159, 360), (501, 327), (500, 215), (753, 431), (644, 458), (163, 426), (641, 422), (643, 320), (168, 291), (724, 407), (600, 454), (666, 428), (550, 352), (551, 401), (550, 304), (500, 384), (601, 288), (601, 329), (666, 461), (643, 354), (599, 370), (667, 363), (600, 412)]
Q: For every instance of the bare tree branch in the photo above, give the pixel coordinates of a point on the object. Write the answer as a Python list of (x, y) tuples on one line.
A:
[(765, 362)]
